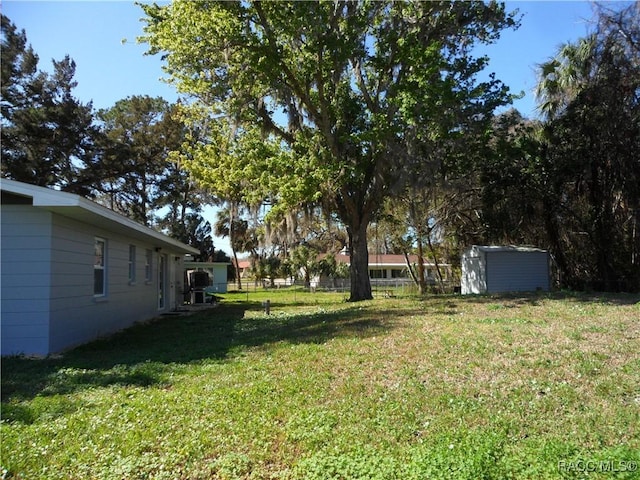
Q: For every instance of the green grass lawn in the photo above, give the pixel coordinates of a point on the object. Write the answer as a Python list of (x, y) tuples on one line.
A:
[(526, 387)]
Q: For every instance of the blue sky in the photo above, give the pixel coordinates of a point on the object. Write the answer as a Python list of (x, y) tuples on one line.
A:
[(107, 70)]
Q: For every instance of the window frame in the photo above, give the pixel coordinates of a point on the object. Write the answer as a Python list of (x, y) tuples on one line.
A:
[(377, 273), (132, 264), (148, 266), (100, 267)]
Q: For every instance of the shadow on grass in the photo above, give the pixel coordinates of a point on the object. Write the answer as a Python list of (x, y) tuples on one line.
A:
[(450, 305), (534, 298), (606, 298), (150, 354)]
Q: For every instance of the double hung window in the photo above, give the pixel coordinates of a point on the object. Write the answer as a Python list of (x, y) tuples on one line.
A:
[(100, 268)]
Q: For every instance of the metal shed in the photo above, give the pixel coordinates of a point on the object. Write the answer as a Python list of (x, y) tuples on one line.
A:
[(495, 269)]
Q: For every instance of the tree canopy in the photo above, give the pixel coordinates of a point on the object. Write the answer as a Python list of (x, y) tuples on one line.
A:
[(118, 156), (589, 162), (47, 134), (346, 91)]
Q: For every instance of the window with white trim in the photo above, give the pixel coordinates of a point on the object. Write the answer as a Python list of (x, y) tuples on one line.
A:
[(132, 264), (100, 267), (148, 258)]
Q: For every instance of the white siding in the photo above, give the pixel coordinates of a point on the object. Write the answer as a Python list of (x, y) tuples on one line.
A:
[(473, 279), (25, 279)]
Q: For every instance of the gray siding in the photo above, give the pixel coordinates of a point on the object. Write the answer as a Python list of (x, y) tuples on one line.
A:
[(47, 282), (517, 271), (495, 269), (76, 315), (47, 270), (26, 279)]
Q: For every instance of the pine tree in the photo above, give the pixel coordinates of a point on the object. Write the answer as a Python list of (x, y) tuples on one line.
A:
[(47, 134)]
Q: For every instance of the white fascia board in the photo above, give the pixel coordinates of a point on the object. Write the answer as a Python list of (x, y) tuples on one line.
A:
[(66, 203)]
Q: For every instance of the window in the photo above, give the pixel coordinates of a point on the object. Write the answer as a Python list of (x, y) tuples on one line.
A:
[(377, 273), (147, 265), (132, 264), (398, 273), (99, 268), (162, 281)]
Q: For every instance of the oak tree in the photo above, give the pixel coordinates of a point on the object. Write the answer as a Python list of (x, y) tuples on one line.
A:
[(344, 89)]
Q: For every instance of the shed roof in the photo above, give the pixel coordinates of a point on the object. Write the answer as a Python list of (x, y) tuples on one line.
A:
[(88, 212), (506, 248)]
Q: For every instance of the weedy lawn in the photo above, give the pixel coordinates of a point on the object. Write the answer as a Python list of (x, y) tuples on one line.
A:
[(523, 387)]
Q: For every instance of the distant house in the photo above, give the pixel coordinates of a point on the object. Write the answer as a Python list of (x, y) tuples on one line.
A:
[(383, 270), (244, 267), (388, 269), (73, 270), (495, 269)]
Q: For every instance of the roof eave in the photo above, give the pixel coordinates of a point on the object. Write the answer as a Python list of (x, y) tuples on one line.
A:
[(81, 209)]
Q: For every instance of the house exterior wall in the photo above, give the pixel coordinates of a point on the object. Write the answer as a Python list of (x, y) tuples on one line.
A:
[(217, 274), (47, 295), (78, 316), (219, 278), (47, 272), (25, 279)]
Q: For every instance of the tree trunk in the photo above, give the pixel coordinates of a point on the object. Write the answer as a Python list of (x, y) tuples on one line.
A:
[(232, 240), (566, 276), (435, 261), (419, 277), (359, 263), (422, 281), (237, 268), (410, 268)]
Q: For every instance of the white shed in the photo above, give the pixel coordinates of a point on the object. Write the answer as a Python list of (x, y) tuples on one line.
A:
[(494, 269)]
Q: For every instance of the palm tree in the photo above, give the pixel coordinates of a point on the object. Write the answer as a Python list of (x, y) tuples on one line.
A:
[(562, 77), (589, 94), (229, 224)]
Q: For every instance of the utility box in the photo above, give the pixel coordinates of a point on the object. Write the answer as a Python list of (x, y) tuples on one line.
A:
[(496, 269)]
